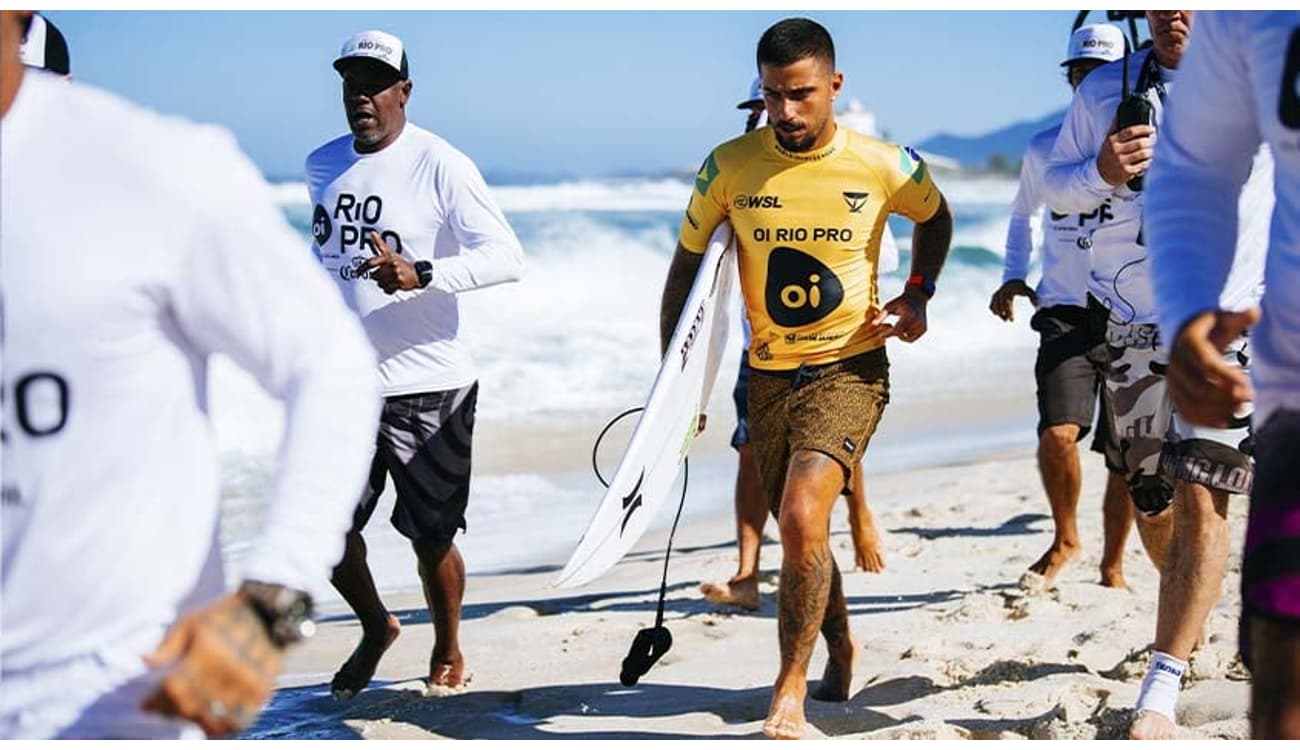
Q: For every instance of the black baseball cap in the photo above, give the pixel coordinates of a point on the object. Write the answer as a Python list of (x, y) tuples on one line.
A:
[(44, 47)]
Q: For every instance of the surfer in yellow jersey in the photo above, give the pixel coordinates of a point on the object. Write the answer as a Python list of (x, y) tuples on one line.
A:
[(741, 589), (808, 201)]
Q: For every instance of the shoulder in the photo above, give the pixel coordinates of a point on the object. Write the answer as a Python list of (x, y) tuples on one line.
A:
[(883, 157), (170, 157), (437, 153), (874, 150), (740, 149), (1102, 86), (103, 119), (1041, 144), (330, 151)]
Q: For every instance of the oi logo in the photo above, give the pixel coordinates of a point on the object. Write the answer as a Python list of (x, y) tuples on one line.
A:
[(321, 228), (800, 289)]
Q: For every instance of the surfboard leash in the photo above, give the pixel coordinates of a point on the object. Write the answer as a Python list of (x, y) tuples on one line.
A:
[(650, 643)]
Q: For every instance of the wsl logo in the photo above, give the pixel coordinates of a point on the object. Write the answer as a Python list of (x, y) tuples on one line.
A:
[(743, 202), (800, 288)]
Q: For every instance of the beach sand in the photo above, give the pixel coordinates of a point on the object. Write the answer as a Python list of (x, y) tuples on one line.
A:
[(953, 646)]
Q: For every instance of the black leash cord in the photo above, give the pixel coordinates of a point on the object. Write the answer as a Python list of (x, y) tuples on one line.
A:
[(650, 643)]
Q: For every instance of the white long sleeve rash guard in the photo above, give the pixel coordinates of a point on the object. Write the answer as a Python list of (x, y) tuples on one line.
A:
[(428, 202), (1120, 272), (1240, 74), (1065, 257), (133, 247)]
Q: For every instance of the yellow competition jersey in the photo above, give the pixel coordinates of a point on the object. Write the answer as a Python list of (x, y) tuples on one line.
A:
[(809, 228)]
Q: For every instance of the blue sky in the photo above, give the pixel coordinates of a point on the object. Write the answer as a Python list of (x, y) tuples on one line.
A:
[(564, 93)]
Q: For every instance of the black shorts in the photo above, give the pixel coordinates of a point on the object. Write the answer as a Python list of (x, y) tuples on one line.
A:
[(424, 443), (1270, 566), (1070, 368)]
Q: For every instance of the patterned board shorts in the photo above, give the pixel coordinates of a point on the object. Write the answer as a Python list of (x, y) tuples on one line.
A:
[(833, 409), (424, 443), (1150, 444)]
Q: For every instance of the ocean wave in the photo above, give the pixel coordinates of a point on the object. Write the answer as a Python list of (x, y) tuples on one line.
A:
[(579, 335), (580, 195), (657, 194)]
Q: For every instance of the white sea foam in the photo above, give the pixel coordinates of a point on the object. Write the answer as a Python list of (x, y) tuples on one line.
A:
[(577, 340), (661, 194), (580, 195), (579, 335)]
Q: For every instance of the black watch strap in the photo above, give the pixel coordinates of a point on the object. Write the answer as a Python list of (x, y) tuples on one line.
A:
[(424, 270), (288, 614)]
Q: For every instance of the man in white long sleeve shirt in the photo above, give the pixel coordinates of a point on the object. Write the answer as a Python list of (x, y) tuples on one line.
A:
[(1168, 461), (1241, 74), (1072, 350), (404, 222), (134, 247)]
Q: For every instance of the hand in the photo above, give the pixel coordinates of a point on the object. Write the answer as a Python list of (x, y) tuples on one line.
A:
[(389, 270), (1205, 389), (910, 309), (1001, 304), (223, 667), (1126, 154)]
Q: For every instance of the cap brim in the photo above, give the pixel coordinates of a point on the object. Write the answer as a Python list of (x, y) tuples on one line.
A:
[(748, 103), (1085, 58), (343, 62)]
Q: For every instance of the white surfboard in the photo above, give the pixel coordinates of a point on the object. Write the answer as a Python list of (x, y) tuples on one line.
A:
[(666, 429)]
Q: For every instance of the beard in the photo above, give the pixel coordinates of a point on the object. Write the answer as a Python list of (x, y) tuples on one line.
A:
[(367, 136), (800, 143)]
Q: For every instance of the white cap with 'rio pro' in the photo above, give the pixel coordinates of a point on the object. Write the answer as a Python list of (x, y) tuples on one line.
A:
[(376, 45), (1098, 41)]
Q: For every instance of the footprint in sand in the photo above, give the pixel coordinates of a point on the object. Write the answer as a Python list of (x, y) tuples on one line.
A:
[(1033, 584)]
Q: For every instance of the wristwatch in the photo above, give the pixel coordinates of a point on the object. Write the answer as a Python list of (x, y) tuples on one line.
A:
[(424, 270), (920, 282), (287, 613)]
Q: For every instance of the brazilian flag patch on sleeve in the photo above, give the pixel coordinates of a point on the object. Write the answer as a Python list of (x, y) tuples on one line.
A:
[(708, 172), (909, 163)]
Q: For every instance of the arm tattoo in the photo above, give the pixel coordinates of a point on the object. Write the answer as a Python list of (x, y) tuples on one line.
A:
[(681, 275), (930, 243)]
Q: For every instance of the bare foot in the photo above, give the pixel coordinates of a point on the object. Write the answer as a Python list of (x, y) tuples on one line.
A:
[(1053, 561), (867, 554), (1152, 725), (360, 667), (448, 672), (1113, 578), (739, 592), (837, 679), (785, 720)]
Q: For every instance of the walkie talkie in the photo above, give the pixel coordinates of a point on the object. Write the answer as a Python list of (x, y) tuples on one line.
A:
[(1134, 109)]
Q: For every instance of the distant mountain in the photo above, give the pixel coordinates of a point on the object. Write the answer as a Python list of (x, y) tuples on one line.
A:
[(976, 151)]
